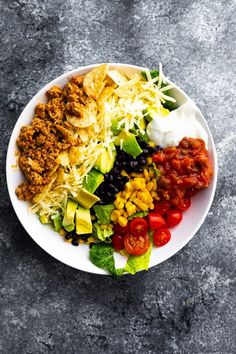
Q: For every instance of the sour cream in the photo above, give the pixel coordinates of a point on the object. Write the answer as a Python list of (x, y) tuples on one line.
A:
[(179, 123)]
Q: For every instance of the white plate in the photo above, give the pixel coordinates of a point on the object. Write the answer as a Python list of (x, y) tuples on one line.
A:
[(77, 257)]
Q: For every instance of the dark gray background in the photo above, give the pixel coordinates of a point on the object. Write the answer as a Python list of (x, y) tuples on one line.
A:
[(185, 305)]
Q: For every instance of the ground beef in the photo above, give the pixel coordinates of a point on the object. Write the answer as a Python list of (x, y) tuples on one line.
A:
[(46, 137)]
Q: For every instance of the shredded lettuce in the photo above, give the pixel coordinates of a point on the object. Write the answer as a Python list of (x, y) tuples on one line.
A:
[(103, 234), (137, 263), (103, 213), (101, 255), (139, 214)]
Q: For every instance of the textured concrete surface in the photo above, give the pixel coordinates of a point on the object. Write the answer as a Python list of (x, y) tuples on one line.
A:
[(185, 305)]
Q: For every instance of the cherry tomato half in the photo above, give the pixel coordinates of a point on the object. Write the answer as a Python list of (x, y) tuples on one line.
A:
[(138, 226), (184, 204), (161, 207), (174, 217), (136, 245), (155, 221), (121, 230), (161, 237), (118, 242)]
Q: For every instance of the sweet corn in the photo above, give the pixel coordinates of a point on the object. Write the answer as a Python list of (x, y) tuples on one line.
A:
[(80, 241), (142, 196), (131, 210), (154, 181), (62, 232), (146, 175), (149, 186), (149, 161), (151, 206), (119, 205), (122, 221), (115, 215), (91, 239), (140, 204), (133, 195), (123, 173), (153, 194), (151, 172), (136, 175), (128, 205), (129, 187)]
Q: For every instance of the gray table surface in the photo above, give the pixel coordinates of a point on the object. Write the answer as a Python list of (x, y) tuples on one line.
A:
[(185, 305)]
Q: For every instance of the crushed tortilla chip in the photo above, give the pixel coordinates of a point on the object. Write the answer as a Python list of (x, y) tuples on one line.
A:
[(94, 81)]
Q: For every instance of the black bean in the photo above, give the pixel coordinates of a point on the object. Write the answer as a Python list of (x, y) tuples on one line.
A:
[(133, 163), (74, 243), (68, 236)]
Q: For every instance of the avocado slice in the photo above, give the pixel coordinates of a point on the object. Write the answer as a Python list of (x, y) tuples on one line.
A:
[(129, 143), (69, 215), (83, 221), (44, 219), (85, 198), (93, 180), (57, 222), (106, 159)]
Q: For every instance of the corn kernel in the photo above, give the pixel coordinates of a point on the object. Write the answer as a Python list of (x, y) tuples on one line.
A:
[(131, 210), (91, 239), (133, 195), (80, 241), (140, 204), (115, 215), (146, 175), (149, 186), (128, 205), (153, 194), (125, 214), (128, 187), (122, 221), (93, 217), (157, 198), (154, 181), (123, 173), (151, 172), (62, 232), (142, 196), (149, 161), (151, 206)]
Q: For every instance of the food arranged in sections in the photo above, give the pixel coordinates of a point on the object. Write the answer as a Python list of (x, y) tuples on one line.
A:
[(111, 161)]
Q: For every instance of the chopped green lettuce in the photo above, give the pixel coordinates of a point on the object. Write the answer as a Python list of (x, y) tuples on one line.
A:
[(137, 263), (101, 255), (139, 214), (103, 234), (103, 213)]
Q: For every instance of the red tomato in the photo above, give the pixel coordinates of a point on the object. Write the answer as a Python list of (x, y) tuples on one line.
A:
[(155, 221), (121, 230), (174, 217), (118, 242), (138, 226), (136, 245), (161, 237), (184, 204), (161, 207)]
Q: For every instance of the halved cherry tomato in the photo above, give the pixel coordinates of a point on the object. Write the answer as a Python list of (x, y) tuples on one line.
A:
[(174, 217), (161, 237), (161, 207), (118, 242), (184, 204), (136, 245), (138, 226), (121, 230), (155, 221)]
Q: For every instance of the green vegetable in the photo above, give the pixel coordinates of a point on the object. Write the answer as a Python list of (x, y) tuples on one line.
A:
[(139, 214), (137, 263), (153, 73), (93, 180), (103, 234), (129, 143), (103, 213), (57, 222), (101, 255), (156, 171), (44, 219), (114, 127)]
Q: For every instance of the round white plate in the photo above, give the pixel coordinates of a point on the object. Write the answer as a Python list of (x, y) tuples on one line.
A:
[(77, 257)]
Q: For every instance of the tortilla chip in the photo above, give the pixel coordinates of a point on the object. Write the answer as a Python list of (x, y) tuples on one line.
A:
[(87, 115), (94, 81), (106, 93)]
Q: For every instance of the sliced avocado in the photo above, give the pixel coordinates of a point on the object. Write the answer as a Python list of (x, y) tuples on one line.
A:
[(106, 159), (57, 222), (85, 198), (129, 143), (83, 221), (69, 216), (93, 180), (44, 219), (151, 112)]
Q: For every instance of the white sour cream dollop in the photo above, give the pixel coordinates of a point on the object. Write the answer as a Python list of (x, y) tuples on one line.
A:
[(179, 123)]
